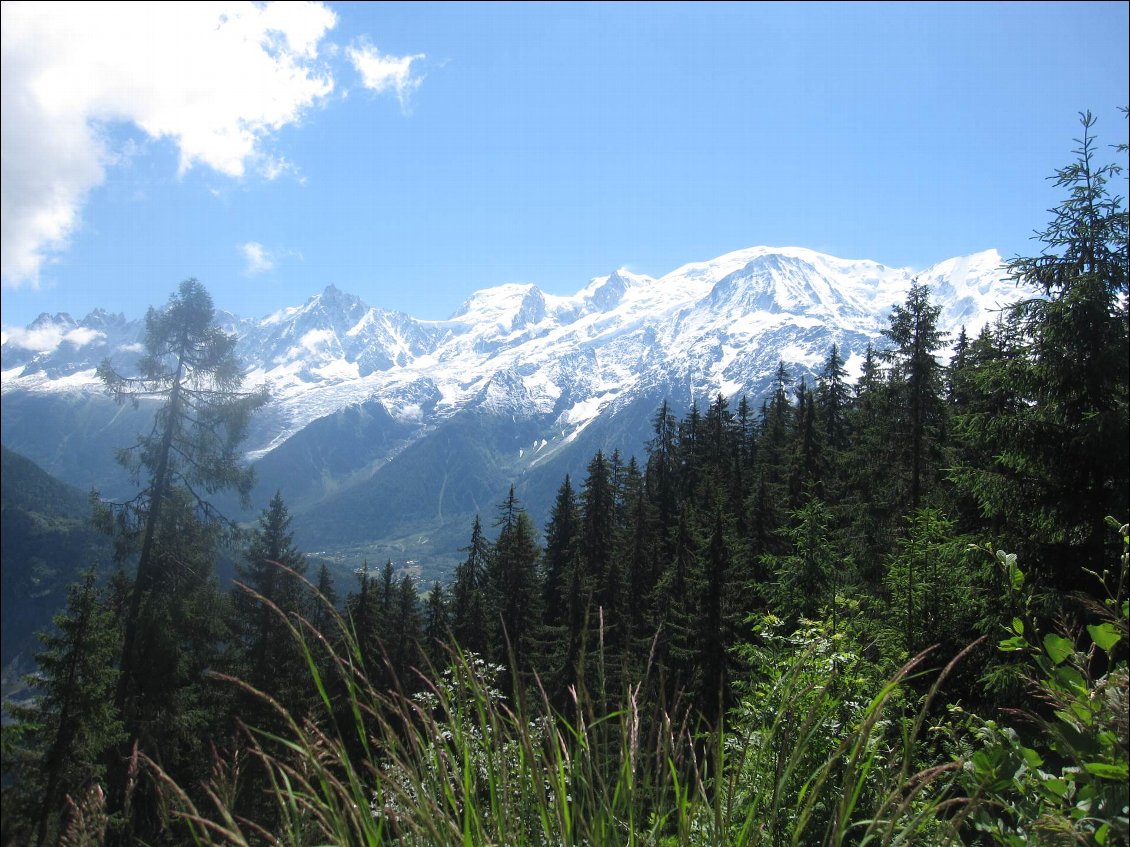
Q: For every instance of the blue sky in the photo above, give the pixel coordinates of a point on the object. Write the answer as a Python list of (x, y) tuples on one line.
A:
[(411, 154)]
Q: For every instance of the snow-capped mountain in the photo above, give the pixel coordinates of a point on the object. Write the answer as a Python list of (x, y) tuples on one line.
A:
[(518, 385)]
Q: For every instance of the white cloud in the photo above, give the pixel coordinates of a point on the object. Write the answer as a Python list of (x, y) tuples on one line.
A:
[(42, 339), (216, 78), (80, 336), (257, 258), (46, 337), (316, 338), (386, 73)]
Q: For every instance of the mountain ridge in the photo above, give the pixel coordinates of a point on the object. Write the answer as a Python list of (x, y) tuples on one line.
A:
[(540, 378)]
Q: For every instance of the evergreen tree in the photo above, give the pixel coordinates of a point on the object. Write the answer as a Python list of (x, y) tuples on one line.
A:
[(676, 649), (642, 554), (933, 584), (714, 624), (917, 388), (560, 564), (270, 659), (189, 366), (468, 609), (562, 543), (363, 615), (804, 577), (598, 531), (872, 497), (513, 588), (403, 632), (775, 436), (806, 470), (959, 360), (66, 731), (833, 397), (690, 435), (1062, 449), (319, 613), (437, 625), (172, 626), (719, 445), (662, 474)]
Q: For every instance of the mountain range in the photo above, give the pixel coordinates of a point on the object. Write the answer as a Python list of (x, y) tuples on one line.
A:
[(386, 434)]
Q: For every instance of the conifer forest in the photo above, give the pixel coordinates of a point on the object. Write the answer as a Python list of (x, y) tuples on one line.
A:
[(889, 609)]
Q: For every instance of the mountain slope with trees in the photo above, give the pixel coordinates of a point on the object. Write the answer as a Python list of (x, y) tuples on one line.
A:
[(45, 542)]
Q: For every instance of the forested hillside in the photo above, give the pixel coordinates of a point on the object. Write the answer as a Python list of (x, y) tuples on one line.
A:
[(46, 539), (890, 609)]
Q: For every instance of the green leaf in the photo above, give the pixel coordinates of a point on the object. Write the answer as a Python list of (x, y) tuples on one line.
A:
[(1070, 680), (1084, 711), (1056, 787), (1057, 647), (1103, 770), (1018, 626), (1011, 645), (1031, 757), (1106, 635)]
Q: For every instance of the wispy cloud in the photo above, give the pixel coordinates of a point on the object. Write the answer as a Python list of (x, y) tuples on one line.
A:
[(217, 79), (258, 259), (382, 74)]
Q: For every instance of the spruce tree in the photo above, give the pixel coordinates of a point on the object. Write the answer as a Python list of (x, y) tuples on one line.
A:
[(872, 498), (833, 396), (68, 728), (561, 550), (714, 622), (513, 590), (437, 625), (560, 563), (270, 658), (1062, 448), (916, 384), (468, 608), (403, 632), (320, 607)]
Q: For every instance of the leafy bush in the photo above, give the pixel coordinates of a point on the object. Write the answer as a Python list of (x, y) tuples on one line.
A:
[(1061, 778)]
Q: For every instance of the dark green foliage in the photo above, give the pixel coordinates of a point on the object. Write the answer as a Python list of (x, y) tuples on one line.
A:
[(562, 546), (513, 590), (468, 604), (61, 737), (174, 621), (1059, 776), (436, 624), (45, 540), (833, 397), (267, 600), (403, 631), (192, 452), (804, 578), (715, 624), (935, 581), (915, 384), (325, 600), (1051, 429)]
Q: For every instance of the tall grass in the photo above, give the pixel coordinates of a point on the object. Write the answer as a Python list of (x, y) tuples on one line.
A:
[(457, 763)]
